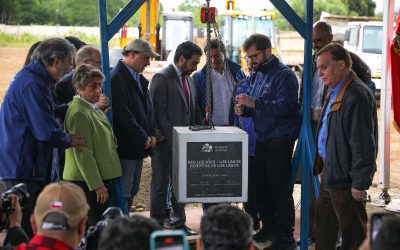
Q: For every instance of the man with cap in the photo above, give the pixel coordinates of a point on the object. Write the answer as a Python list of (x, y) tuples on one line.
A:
[(134, 124), (59, 218)]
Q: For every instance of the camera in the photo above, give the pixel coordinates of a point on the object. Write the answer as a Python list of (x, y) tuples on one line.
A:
[(21, 191), (92, 236)]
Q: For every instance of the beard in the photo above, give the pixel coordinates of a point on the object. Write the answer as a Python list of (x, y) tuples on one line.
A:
[(185, 69), (258, 66)]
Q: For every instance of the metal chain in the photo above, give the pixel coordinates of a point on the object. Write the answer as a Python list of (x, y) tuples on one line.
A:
[(227, 69), (208, 108)]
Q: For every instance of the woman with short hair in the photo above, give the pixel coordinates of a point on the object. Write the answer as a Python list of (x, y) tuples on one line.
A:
[(96, 164)]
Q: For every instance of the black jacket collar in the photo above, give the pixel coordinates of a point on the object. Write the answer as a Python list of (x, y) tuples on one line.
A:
[(269, 65)]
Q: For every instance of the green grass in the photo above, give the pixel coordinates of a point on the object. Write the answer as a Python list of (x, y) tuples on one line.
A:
[(26, 40)]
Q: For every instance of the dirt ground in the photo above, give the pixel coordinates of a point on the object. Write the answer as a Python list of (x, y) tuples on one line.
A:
[(11, 60)]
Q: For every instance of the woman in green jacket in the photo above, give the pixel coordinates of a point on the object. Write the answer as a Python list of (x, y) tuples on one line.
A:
[(95, 165)]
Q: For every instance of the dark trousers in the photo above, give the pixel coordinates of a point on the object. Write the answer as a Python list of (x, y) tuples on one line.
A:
[(161, 165), (34, 189), (338, 209), (96, 209), (251, 205), (274, 190)]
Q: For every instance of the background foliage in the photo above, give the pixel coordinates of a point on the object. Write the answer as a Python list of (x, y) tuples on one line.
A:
[(85, 13)]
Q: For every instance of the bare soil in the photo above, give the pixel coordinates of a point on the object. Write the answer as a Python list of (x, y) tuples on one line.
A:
[(12, 59)]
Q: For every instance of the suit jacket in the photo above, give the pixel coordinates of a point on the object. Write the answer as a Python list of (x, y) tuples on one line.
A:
[(133, 113), (170, 106), (97, 160)]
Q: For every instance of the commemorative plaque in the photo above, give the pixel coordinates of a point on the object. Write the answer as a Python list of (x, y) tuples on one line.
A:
[(210, 165)]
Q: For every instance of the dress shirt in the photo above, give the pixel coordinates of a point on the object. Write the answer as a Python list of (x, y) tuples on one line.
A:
[(322, 134), (179, 72), (135, 76), (221, 98)]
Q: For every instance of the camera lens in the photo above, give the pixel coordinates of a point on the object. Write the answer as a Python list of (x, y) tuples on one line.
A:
[(21, 191)]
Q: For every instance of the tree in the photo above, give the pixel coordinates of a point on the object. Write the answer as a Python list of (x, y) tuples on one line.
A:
[(361, 7), (336, 7), (195, 7)]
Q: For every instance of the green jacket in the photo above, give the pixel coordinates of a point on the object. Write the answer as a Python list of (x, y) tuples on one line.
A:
[(97, 160)]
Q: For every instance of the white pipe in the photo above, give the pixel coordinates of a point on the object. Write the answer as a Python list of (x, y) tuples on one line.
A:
[(386, 97)]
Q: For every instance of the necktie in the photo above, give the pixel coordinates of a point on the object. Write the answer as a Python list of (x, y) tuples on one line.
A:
[(185, 89)]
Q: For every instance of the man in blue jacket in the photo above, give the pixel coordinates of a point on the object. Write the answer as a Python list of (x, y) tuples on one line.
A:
[(273, 105), (134, 123), (28, 129)]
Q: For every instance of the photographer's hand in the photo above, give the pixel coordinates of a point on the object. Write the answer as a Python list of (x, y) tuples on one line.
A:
[(102, 194), (15, 217)]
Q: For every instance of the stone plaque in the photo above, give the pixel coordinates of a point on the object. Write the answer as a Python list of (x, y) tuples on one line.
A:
[(214, 169), (210, 165)]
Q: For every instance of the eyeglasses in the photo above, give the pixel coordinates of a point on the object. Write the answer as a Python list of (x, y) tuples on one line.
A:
[(320, 39), (96, 62), (252, 57)]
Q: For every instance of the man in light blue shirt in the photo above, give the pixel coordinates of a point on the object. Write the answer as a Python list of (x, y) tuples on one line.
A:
[(346, 151), (322, 131)]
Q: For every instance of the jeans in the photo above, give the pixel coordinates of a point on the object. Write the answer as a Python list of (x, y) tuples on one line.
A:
[(130, 179)]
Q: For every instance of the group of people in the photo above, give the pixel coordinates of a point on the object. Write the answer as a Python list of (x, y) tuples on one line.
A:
[(265, 104)]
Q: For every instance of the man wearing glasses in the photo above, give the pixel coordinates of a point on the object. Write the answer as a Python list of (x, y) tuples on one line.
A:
[(273, 105), (65, 91)]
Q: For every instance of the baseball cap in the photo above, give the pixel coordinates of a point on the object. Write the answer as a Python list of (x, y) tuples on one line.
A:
[(140, 45), (60, 206)]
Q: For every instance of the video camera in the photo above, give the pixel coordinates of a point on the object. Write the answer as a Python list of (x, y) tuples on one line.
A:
[(21, 191), (92, 236)]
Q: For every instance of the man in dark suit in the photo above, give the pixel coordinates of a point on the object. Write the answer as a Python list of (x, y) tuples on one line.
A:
[(174, 96), (134, 123)]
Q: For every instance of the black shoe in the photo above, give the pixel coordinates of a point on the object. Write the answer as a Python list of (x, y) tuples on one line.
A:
[(310, 240), (168, 224), (188, 231), (282, 243), (263, 235), (256, 225)]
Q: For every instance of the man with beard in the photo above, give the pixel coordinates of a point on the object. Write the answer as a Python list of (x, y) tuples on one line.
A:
[(273, 105), (174, 99)]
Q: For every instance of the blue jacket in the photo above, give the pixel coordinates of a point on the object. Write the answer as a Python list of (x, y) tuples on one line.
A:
[(133, 113), (200, 81), (247, 122), (28, 129), (276, 114)]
